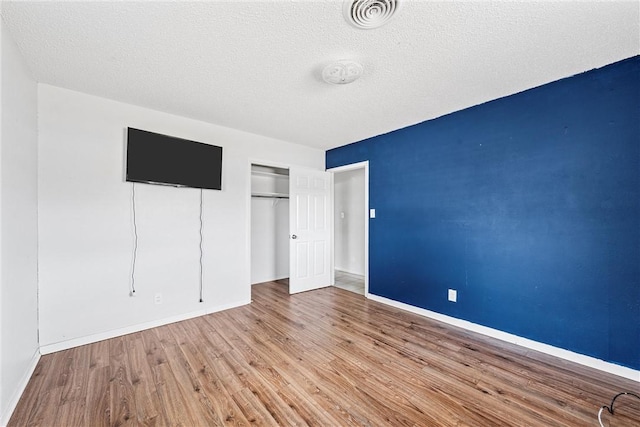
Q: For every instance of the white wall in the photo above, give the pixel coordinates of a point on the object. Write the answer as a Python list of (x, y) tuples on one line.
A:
[(4, 406), (18, 230), (349, 221), (85, 221)]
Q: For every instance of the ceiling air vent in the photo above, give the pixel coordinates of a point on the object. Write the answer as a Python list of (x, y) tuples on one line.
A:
[(369, 14)]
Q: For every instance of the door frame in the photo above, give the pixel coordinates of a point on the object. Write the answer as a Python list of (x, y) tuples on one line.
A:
[(350, 167)]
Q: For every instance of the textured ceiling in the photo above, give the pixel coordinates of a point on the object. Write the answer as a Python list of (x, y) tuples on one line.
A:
[(256, 66)]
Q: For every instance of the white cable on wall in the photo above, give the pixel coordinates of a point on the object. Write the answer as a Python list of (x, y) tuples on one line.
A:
[(135, 244)]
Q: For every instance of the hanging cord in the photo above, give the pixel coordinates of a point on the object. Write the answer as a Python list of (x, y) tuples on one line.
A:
[(610, 408), (135, 239), (201, 290)]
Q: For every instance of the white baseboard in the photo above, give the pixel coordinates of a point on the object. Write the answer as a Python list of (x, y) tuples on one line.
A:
[(561, 353), (286, 276), (17, 393), (89, 339)]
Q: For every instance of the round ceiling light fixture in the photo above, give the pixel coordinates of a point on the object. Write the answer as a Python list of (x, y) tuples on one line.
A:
[(369, 14), (342, 72)]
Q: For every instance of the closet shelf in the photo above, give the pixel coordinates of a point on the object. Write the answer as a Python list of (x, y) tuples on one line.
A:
[(271, 195), (275, 174)]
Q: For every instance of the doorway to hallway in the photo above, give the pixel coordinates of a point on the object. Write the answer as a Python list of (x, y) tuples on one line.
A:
[(350, 227)]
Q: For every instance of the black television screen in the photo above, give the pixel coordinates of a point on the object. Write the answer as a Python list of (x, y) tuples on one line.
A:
[(160, 159)]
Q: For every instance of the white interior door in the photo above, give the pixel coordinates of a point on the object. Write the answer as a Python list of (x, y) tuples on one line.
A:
[(310, 229)]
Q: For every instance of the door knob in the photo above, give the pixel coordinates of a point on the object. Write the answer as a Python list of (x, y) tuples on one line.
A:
[(293, 236)]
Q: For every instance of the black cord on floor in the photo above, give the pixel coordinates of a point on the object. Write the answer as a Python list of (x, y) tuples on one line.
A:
[(610, 407)]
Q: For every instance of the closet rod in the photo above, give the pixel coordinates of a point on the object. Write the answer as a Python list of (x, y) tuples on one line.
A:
[(266, 196)]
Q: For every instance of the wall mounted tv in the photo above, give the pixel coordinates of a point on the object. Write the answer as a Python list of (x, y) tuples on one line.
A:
[(160, 159)]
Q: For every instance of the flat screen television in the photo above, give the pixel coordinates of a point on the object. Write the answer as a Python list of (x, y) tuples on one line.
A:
[(160, 159)]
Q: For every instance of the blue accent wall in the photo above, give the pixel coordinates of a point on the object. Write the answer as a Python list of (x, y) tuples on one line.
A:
[(528, 205)]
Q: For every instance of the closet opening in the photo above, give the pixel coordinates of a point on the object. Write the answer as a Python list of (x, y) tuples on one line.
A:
[(269, 224)]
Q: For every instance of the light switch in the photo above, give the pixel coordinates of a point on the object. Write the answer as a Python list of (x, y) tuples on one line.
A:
[(372, 213)]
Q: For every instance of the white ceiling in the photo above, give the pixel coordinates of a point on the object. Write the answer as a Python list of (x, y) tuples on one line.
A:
[(256, 66)]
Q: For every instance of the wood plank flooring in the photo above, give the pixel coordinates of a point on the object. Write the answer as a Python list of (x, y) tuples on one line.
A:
[(322, 358)]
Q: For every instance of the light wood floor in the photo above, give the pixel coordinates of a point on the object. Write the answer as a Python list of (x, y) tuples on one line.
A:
[(349, 282), (325, 358)]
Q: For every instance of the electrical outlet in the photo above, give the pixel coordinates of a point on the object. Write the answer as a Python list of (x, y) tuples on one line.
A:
[(453, 295), (372, 213), (158, 299)]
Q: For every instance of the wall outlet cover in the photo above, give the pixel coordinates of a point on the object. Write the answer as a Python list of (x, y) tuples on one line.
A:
[(453, 295)]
